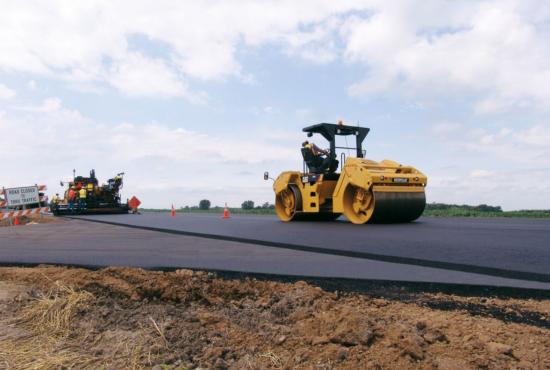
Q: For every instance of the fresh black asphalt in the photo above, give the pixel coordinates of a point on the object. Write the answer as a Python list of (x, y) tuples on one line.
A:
[(511, 248), (469, 252)]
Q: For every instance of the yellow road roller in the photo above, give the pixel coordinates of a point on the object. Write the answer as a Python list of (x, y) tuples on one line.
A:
[(364, 190)]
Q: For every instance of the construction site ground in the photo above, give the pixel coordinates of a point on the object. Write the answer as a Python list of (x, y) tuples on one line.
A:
[(29, 220), (59, 317)]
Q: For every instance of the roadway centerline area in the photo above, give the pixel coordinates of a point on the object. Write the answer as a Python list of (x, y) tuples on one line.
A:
[(75, 242), (510, 248)]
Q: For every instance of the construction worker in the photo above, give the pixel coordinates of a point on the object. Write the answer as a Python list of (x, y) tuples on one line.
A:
[(315, 149), (82, 193), (55, 198), (318, 160), (71, 198), (118, 180)]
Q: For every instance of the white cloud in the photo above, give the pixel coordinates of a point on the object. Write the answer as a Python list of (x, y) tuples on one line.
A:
[(52, 104), (88, 42), (161, 161), (446, 128), (481, 174), (538, 135), (499, 166), (137, 75), (6, 92), (492, 54), (506, 188), (31, 85), (497, 50)]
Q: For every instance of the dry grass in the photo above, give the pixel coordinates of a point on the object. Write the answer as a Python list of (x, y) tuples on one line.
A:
[(160, 332), (44, 337), (53, 312), (273, 358), (41, 352), (40, 342)]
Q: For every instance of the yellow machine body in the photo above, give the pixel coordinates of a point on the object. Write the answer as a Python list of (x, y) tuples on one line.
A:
[(364, 191)]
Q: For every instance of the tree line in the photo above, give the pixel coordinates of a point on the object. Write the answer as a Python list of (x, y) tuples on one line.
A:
[(205, 204)]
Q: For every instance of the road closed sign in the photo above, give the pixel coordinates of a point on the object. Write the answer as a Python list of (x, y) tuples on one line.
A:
[(22, 196)]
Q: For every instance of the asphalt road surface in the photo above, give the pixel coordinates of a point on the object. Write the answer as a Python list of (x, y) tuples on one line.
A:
[(496, 252)]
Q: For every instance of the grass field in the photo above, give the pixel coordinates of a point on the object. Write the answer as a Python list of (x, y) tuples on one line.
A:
[(432, 210)]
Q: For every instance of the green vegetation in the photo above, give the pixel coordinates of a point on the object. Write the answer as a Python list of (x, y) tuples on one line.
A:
[(482, 210), (204, 204), (187, 209), (432, 210), (247, 204)]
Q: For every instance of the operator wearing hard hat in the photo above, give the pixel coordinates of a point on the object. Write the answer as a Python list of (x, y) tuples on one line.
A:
[(314, 149), (321, 160), (82, 198)]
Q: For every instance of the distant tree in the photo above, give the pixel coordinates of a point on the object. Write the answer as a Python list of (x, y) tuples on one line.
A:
[(247, 204), (204, 204), (486, 208), (268, 205)]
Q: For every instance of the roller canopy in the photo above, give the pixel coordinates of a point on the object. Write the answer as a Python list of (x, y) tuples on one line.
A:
[(331, 130)]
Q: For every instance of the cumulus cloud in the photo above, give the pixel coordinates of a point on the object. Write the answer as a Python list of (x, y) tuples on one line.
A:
[(159, 159), (89, 42), (500, 166), (496, 50), (6, 92), (136, 75), (490, 56), (506, 188), (445, 128)]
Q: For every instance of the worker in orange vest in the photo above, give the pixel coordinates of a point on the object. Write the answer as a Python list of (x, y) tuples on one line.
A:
[(70, 198)]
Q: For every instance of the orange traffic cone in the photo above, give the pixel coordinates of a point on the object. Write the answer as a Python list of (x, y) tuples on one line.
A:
[(16, 221), (225, 212), (173, 212)]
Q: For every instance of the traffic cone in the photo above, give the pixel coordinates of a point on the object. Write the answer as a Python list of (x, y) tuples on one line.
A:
[(225, 212), (16, 221), (173, 212)]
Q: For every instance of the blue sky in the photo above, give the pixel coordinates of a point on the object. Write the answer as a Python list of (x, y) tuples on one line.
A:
[(195, 100)]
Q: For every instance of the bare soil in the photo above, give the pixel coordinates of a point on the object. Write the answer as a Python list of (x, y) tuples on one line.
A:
[(55, 317)]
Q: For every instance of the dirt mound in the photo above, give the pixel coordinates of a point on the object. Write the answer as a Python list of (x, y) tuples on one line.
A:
[(122, 317)]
